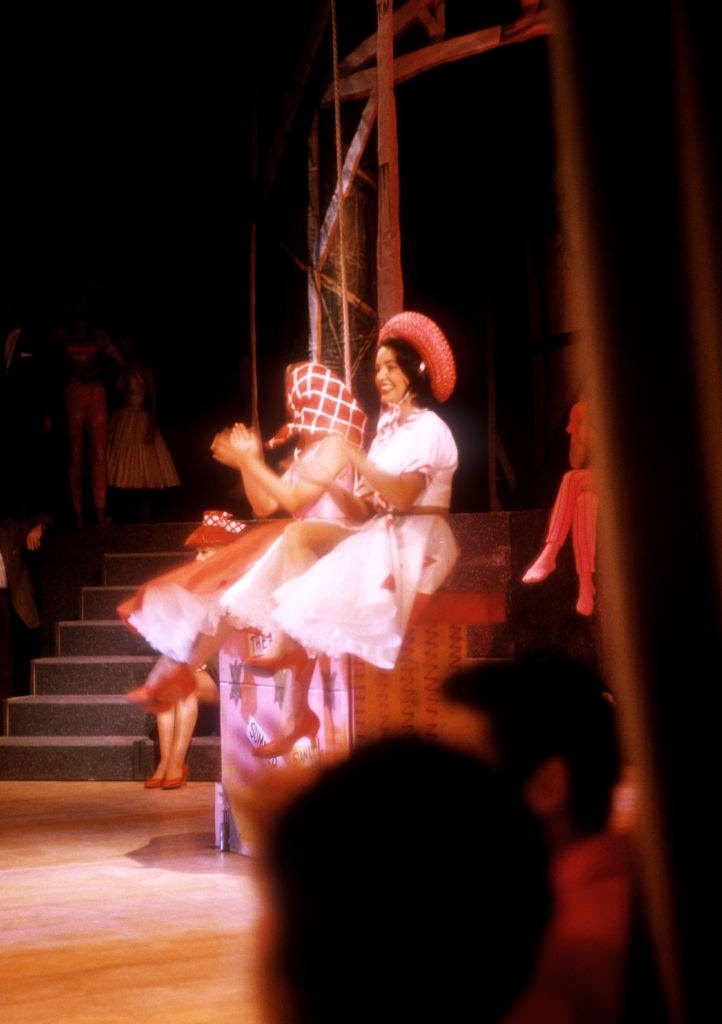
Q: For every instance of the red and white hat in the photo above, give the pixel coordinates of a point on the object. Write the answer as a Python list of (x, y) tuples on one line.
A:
[(430, 342), (320, 403), (217, 528)]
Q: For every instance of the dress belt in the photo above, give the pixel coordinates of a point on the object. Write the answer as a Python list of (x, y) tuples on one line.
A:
[(422, 510)]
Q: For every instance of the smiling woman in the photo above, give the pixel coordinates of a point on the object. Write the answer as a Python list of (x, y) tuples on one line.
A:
[(360, 597)]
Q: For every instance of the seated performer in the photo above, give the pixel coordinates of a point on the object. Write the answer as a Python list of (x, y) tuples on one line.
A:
[(575, 507), (350, 589), (179, 613), (176, 723), (360, 597)]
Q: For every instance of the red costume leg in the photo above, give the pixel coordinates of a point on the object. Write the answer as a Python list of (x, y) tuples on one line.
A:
[(584, 531), (584, 540), (560, 521)]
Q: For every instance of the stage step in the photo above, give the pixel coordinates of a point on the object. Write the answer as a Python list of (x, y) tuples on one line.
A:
[(77, 723), (98, 758), (88, 674), (102, 602), (101, 636), (120, 569), (88, 714)]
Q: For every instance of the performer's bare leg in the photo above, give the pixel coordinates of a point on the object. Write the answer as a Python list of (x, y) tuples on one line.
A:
[(165, 720), (186, 716)]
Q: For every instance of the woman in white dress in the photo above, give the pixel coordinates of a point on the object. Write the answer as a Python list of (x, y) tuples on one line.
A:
[(139, 461), (360, 597)]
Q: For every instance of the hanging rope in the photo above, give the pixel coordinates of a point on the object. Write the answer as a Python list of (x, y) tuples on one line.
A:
[(339, 176)]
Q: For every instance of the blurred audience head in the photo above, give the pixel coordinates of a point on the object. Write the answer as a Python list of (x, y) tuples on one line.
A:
[(407, 881), (548, 722)]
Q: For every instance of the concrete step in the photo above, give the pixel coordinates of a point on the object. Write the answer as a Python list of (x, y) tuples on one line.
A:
[(91, 714), (88, 674), (133, 569), (100, 714), (102, 602), (99, 758), (77, 723), (100, 637)]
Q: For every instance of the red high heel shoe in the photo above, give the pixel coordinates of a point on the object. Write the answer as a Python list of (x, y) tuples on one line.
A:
[(146, 698), (307, 726), (268, 664), (178, 781), (159, 696)]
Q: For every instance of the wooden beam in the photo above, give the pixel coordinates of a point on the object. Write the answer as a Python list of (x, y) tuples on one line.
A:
[(429, 13), (359, 85)]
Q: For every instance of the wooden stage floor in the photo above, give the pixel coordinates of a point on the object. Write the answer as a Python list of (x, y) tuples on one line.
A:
[(118, 907)]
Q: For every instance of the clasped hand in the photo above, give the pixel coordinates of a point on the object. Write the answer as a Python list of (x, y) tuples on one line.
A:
[(236, 445)]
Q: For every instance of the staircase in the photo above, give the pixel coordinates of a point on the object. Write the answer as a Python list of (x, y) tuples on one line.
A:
[(76, 723)]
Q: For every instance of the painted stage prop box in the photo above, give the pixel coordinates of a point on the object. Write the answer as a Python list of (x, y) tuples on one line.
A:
[(353, 700), (250, 713)]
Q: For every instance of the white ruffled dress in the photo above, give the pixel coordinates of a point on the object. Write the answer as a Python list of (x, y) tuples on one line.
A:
[(358, 598)]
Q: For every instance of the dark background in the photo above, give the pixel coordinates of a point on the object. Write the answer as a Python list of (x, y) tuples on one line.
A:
[(127, 171)]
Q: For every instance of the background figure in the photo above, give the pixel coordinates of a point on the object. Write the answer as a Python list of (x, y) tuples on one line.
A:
[(19, 617), (357, 931), (548, 724), (88, 354), (177, 721), (575, 507), (138, 458)]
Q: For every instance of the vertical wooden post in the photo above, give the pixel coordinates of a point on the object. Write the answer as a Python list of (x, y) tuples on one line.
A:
[(389, 287)]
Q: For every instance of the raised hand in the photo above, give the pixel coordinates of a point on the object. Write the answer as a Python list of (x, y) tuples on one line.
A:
[(245, 443), (222, 450)]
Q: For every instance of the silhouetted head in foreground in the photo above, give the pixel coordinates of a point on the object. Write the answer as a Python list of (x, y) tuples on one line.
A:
[(407, 882), (548, 723)]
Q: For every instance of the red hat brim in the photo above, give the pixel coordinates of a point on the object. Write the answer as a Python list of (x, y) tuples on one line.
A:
[(430, 342)]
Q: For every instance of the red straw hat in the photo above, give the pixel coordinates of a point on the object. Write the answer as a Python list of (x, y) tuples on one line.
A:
[(430, 342), (217, 528)]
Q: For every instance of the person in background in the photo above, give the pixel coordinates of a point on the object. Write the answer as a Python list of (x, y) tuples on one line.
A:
[(547, 723), (177, 721), (575, 507), (406, 882), (139, 462), (87, 353), (19, 616)]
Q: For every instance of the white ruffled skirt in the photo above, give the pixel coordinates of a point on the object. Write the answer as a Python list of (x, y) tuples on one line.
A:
[(358, 598)]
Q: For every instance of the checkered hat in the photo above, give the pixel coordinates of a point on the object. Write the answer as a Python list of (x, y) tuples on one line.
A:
[(216, 528), (320, 403), (430, 342)]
